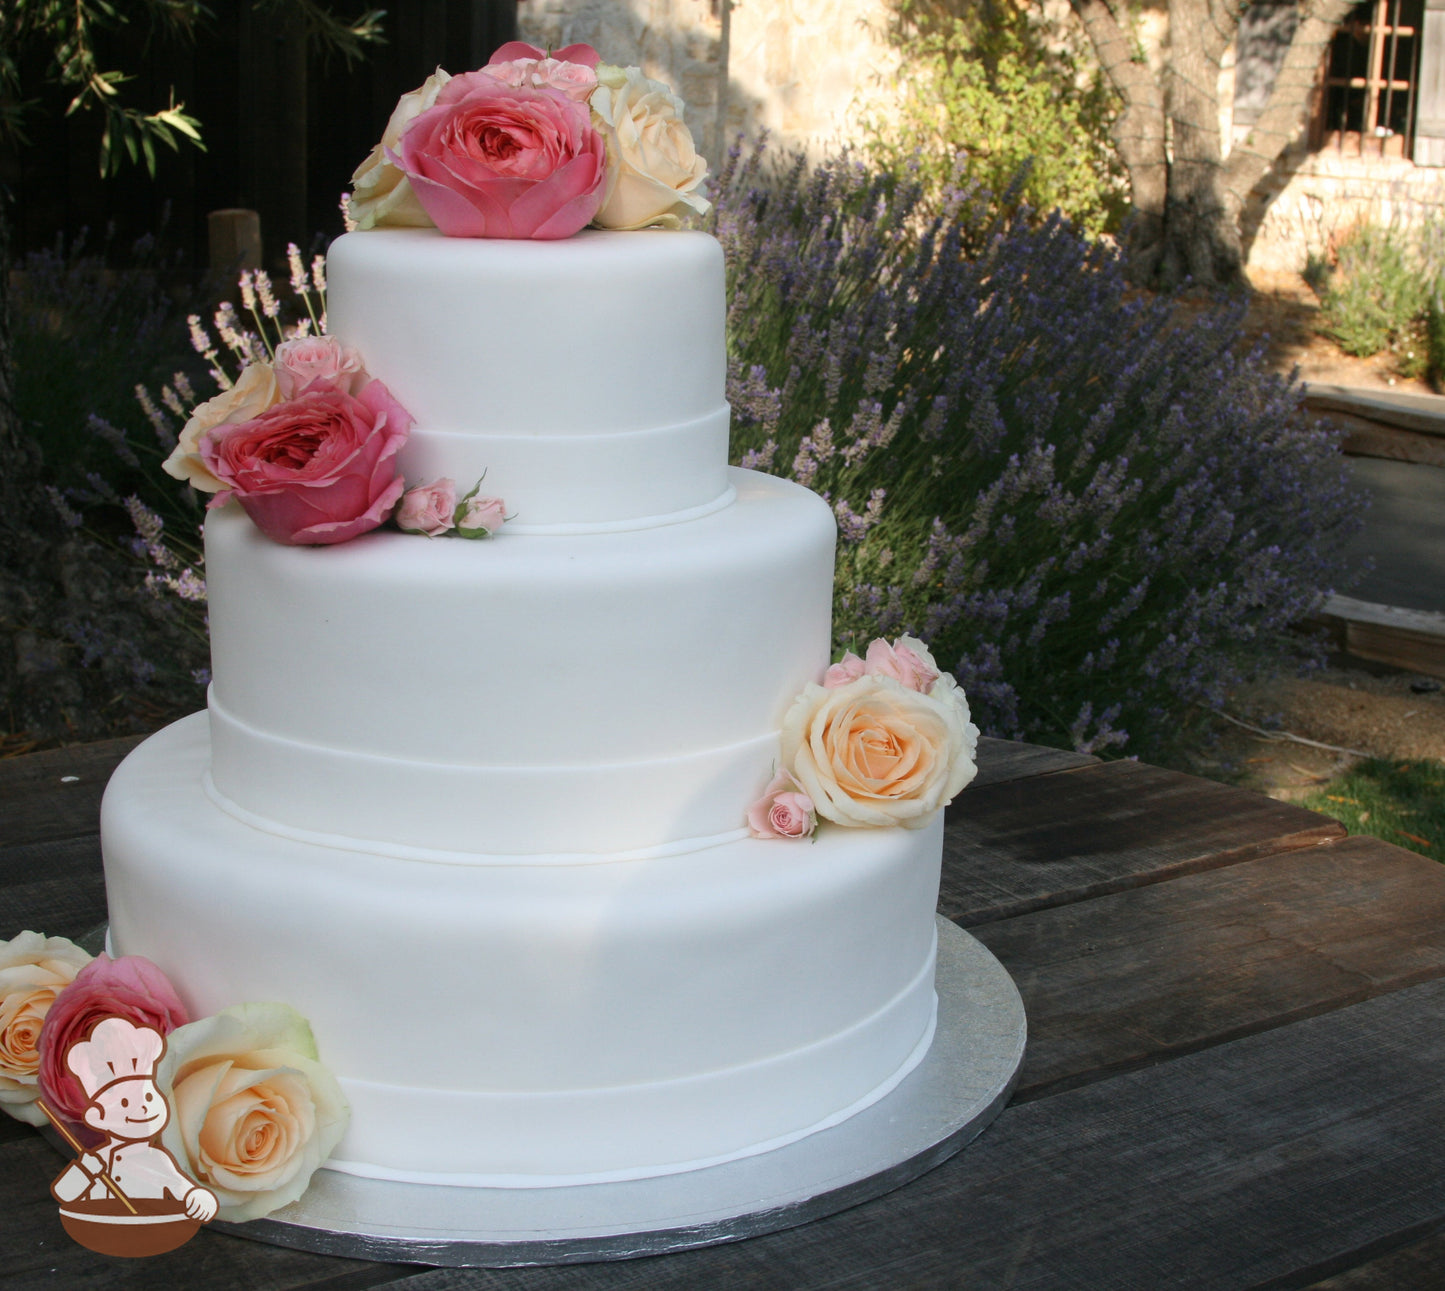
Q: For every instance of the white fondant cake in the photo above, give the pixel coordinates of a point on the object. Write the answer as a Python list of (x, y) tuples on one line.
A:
[(476, 808)]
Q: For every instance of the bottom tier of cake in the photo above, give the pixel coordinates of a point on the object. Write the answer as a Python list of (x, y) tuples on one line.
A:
[(530, 1022)]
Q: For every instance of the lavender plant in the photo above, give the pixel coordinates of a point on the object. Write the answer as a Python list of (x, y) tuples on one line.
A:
[(84, 333), (1099, 517), (143, 637)]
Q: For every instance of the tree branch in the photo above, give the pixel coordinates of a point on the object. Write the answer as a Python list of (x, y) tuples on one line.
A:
[(1283, 116)]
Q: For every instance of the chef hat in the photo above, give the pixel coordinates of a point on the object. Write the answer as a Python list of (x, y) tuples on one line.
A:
[(117, 1050)]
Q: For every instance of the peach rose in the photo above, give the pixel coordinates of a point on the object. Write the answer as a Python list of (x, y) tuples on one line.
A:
[(427, 509), (317, 363), (874, 753), (34, 969), (783, 811), (381, 195), (254, 392), (253, 1111), (653, 170)]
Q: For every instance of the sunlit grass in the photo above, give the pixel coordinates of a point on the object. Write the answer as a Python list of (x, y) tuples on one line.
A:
[(1400, 802)]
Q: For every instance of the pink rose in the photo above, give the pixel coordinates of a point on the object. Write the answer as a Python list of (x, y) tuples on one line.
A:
[(491, 160), (848, 668), (479, 517), (317, 469), (907, 661), (575, 80), (129, 987), (784, 810), (517, 50), (427, 509), (317, 363)]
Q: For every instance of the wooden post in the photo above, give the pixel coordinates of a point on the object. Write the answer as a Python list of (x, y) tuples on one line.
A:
[(234, 241)]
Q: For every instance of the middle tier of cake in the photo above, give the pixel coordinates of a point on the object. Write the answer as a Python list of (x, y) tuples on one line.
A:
[(528, 694)]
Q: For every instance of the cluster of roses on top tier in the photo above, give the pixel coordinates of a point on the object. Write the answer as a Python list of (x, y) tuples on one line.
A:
[(308, 445), (532, 146), (254, 1112), (885, 740)]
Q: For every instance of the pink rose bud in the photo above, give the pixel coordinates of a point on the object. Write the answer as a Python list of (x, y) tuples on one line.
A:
[(907, 661), (848, 668), (477, 517), (427, 509), (317, 363), (784, 811)]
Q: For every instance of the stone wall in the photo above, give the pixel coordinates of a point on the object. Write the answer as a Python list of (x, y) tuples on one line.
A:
[(798, 68), (804, 69), (1314, 198)]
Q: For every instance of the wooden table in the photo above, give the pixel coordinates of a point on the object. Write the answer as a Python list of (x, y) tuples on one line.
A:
[(1235, 1074)]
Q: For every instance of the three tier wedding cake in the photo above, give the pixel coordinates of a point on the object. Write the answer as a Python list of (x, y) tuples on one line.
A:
[(525, 827)]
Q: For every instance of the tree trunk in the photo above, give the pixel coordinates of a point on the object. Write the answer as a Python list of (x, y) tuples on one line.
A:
[(1138, 132), (1201, 231), (1186, 200)]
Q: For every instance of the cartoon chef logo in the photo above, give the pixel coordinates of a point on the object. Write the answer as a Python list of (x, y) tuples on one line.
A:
[(127, 1196)]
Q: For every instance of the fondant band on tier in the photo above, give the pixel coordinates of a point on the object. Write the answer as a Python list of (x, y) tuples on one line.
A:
[(528, 695), (541, 1023)]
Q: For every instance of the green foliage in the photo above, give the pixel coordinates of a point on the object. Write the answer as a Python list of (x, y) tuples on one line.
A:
[(988, 82), (1435, 340), (1384, 292), (1400, 802), (1375, 291), (65, 33)]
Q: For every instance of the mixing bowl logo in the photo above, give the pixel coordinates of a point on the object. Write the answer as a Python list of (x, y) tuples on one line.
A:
[(125, 1196)]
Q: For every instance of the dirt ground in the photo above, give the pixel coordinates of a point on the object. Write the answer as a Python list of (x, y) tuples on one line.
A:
[(1349, 710), (1319, 726), (1284, 308)]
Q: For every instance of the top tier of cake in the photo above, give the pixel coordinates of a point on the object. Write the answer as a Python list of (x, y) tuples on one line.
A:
[(584, 377)]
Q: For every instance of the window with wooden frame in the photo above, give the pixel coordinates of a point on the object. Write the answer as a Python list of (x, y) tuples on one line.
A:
[(1365, 100)]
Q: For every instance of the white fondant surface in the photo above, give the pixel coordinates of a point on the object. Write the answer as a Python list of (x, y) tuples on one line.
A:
[(541, 1023), (521, 694), (473, 808), (585, 376)]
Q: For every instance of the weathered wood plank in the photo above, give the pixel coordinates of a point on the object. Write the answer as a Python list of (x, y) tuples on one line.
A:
[(67, 906), (27, 862), (1027, 844), (38, 802), (1126, 980), (1000, 760), (1417, 1265), (37, 1251), (1230, 1168)]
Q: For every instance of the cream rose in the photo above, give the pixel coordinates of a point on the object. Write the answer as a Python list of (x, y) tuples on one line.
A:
[(34, 969), (254, 392), (381, 194), (653, 170), (874, 753), (253, 1113)]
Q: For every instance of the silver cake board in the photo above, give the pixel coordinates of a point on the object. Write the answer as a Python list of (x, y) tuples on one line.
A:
[(962, 1083)]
